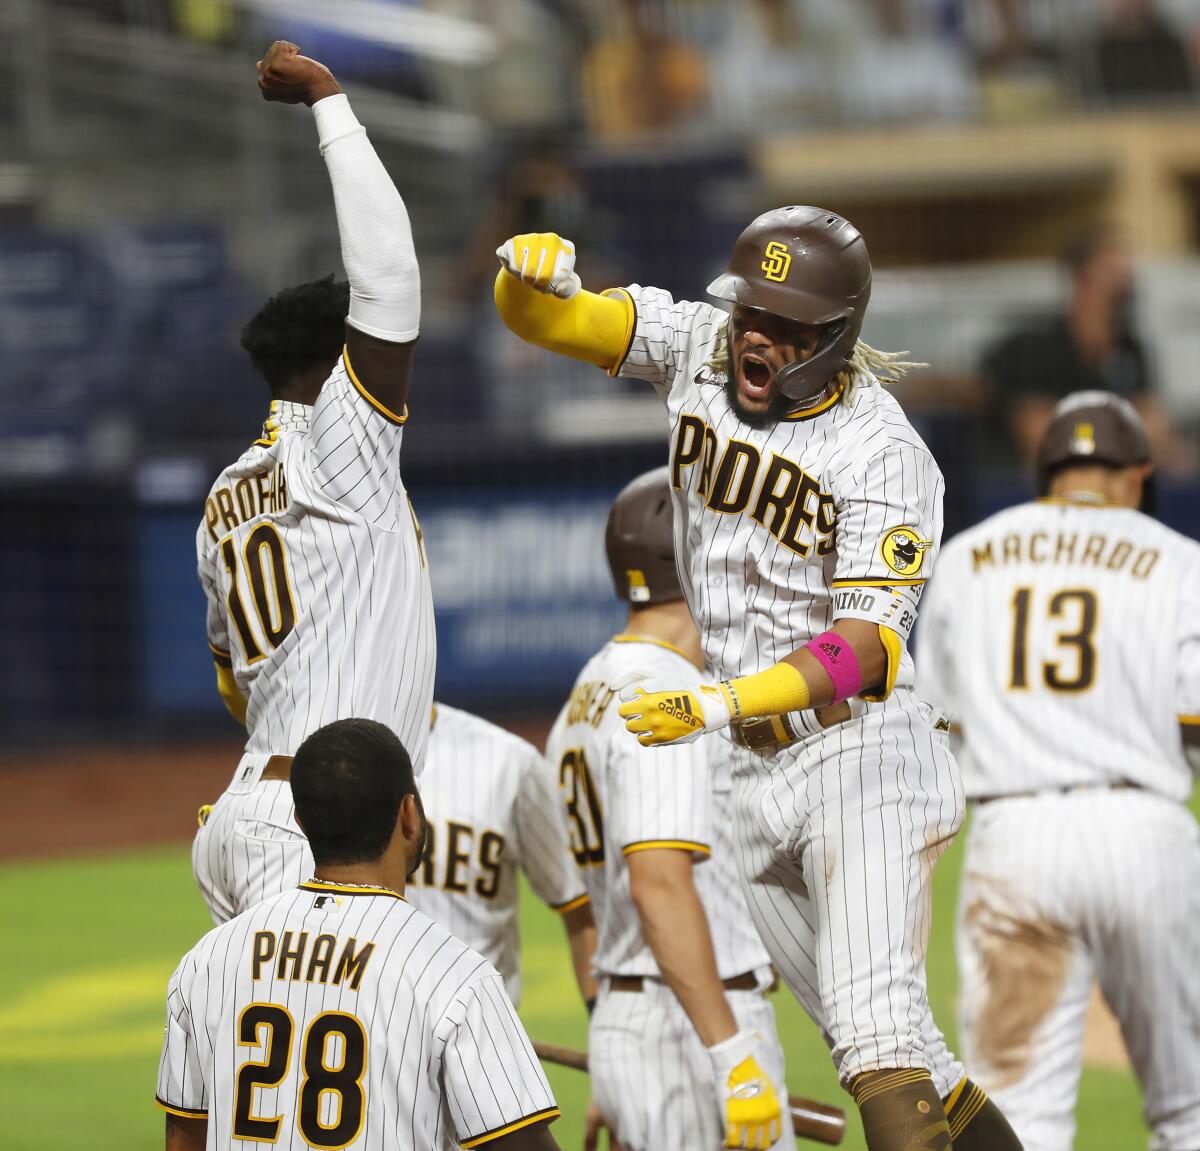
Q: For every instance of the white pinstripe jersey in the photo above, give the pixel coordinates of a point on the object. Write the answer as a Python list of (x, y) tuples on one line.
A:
[(312, 563), (620, 797), (340, 1016), (1065, 638), (781, 532), (492, 807)]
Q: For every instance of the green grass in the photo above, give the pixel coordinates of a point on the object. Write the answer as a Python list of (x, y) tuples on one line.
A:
[(88, 946)]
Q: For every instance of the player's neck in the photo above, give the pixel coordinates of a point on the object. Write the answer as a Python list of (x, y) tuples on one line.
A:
[(387, 873), (669, 623), (1098, 486)]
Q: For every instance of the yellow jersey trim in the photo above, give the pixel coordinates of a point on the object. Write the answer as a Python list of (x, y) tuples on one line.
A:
[(626, 638), (387, 413), (1065, 501), (893, 649), (223, 658), (877, 582), (508, 1129), (350, 889), (823, 406), (669, 844), (571, 904), (630, 326), (182, 1112), (1190, 720)]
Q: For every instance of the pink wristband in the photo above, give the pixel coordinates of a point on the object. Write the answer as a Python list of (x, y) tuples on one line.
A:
[(837, 657)]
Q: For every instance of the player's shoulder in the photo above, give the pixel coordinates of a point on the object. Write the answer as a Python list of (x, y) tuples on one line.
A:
[(456, 725), (214, 947), (624, 654), (658, 304), (998, 523), (871, 424)]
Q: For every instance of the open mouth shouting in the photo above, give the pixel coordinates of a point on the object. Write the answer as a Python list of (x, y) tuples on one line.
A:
[(755, 377)]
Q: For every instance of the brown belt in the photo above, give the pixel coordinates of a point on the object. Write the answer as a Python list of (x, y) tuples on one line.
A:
[(1118, 785), (747, 981), (278, 767)]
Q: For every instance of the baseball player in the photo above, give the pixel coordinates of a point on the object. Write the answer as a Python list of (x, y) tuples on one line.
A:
[(1064, 636), (682, 1048), (492, 807), (336, 1015), (309, 553), (807, 514)]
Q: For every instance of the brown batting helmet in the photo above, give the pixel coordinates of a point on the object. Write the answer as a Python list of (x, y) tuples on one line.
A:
[(809, 265), (1094, 428), (640, 541)]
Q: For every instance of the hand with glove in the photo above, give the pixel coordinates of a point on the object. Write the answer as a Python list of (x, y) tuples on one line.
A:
[(657, 713), (753, 1116), (543, 261)]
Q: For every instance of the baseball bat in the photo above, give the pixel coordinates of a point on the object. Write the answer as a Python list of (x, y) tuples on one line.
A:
[(819, 1122)]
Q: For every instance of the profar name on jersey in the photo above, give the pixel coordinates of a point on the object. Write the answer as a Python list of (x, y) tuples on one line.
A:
[(233, 504)]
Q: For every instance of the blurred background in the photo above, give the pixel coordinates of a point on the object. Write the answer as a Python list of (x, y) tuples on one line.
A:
[(1026, 173)]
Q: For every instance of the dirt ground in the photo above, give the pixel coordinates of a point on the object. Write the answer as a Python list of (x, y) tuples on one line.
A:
[(80, 801)]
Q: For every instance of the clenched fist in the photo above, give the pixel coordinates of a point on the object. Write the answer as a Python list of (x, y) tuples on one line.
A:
[(543, 261), (286, 77)]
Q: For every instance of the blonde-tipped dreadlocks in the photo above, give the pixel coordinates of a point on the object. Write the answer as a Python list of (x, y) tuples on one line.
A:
[(866, 364)]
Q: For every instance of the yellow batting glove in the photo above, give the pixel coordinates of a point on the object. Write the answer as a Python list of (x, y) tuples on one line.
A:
[(658, 714), (542, 261), (753, 1116)]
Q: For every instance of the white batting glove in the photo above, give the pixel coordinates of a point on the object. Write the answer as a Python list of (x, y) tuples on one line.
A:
[(749, 1102), (543, 261), (657, 713)]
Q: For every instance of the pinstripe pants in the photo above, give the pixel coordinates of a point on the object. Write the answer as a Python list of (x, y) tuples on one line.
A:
[(651, 1076), (1059, 891), (837, 837), (250, 847)]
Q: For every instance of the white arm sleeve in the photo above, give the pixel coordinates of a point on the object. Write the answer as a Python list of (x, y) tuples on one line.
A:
[(377, 243)]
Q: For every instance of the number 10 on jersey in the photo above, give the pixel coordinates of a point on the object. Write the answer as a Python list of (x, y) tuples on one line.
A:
[(265, 561)]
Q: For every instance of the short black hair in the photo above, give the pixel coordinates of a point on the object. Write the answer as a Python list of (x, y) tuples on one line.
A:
[(299, 328), (348, 781)]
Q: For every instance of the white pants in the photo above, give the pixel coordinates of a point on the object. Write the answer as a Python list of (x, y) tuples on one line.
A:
[(651, 1076), (837, 837), (250, 847), (1059, 890)]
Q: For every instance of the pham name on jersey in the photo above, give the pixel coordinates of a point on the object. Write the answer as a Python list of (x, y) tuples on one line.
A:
[(233, 504), (291, 958), (1065, 548)]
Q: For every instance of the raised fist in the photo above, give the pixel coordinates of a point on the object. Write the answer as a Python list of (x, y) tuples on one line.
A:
[(543, 261), (286, 77)]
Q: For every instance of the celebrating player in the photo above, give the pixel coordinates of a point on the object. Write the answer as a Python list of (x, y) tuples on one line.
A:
[(337, 1015), (1064, 636), (807, 514), (492, 807), (319, 604), (682, 1011)]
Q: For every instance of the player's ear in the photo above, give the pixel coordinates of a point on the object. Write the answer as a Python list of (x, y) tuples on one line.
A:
[(412, 819)]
